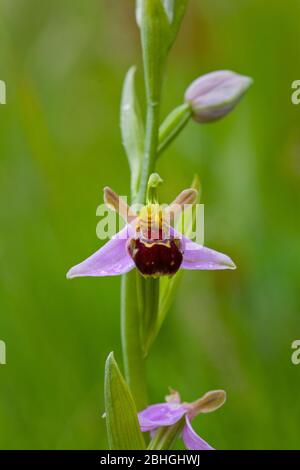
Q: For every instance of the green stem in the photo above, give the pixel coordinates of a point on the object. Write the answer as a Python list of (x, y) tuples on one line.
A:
[(173, 125), (133, 355), (152, 46), (151, 144), (134, 362), (165, 437), (150, 311)]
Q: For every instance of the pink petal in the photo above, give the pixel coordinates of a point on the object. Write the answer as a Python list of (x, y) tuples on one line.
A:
[(112, 259), (162, 414), (199, 257), (191, 439)]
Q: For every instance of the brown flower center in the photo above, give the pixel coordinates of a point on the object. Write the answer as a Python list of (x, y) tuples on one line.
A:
[(156, 257)]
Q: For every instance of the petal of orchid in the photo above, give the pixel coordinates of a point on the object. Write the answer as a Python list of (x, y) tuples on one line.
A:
[(162, 414), (191, 439), (111, 260), (173, 396), (199, 257)]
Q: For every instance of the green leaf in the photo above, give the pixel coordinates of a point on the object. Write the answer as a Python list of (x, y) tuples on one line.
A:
[(179, 8), (123, 429), (149, 304), (132, 128), (169, 7), (138, 12), (168, 287)]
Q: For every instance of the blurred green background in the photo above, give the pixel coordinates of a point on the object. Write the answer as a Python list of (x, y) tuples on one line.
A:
[(64, 64)]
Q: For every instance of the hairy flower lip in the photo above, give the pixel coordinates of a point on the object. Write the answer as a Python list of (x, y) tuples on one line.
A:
[(156, 257)]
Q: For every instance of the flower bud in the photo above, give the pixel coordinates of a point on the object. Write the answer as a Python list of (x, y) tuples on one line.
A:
[(215, 94)]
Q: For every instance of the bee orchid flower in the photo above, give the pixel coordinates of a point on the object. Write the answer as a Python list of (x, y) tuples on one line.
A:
[(150, 243), (171, 413)]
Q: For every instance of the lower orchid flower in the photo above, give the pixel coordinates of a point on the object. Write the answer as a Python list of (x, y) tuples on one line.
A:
[(150, 243), (174, 412)]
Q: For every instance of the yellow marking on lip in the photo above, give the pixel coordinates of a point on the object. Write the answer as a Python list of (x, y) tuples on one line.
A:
[(156, 242)]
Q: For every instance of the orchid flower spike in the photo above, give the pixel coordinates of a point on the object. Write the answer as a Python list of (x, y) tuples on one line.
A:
[(150, 243), (173, 411)]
